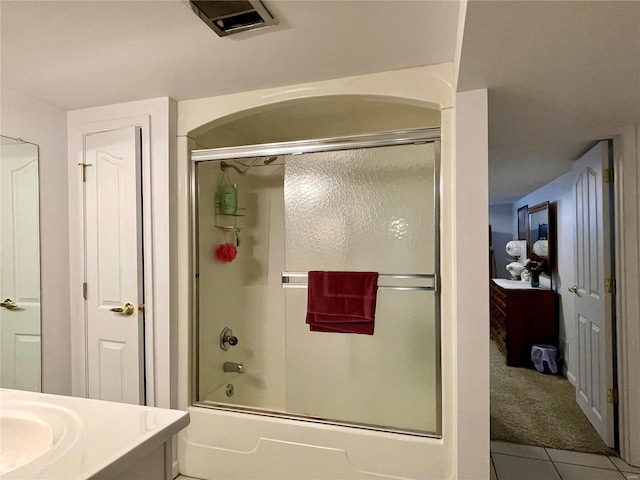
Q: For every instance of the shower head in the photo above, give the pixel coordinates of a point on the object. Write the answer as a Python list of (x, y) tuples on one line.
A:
[(224, 165)]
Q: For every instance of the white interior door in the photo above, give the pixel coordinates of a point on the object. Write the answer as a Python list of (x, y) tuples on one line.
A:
[(114, 266), (20, 324), (592, 303)]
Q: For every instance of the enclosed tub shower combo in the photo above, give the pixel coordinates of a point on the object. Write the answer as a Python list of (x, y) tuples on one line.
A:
[(365, 203), (298, 206)]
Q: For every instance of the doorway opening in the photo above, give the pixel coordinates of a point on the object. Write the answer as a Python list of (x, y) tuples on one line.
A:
[(571, 403)]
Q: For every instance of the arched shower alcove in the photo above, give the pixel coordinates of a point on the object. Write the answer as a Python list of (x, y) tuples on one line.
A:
[(265, 387), (317, 117)]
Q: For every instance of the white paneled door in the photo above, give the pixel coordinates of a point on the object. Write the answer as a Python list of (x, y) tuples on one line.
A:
[(592, 302), (113, 266), (20, 283)]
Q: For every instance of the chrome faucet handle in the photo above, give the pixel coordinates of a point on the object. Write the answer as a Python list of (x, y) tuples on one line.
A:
[(227, 339)]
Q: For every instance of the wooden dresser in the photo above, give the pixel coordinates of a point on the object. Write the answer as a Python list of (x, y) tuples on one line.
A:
[(522, 316)]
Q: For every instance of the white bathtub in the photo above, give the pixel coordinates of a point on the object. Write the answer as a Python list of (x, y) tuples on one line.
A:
[(221, 444)]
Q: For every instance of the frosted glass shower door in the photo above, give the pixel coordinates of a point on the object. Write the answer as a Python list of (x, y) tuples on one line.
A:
[(369, 209)]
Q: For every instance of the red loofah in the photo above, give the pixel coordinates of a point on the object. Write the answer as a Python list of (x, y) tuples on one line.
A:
[(226, 252)]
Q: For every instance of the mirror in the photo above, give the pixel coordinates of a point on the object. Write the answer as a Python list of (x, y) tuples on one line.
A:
[(20, 266), (539, 235)]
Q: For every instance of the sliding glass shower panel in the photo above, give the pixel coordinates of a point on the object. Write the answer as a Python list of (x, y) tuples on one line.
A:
[(368, 209)]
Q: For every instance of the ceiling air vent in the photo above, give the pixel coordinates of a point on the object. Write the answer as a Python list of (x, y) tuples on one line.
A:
[(229, 17)]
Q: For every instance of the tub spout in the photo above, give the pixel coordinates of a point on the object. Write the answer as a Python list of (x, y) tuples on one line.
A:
[(233, 367)]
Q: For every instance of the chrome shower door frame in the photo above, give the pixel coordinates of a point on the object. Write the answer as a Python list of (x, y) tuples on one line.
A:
[(383, 139)]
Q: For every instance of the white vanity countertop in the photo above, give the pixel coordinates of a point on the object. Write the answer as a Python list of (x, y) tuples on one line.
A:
[(91, 437), (519, 284)]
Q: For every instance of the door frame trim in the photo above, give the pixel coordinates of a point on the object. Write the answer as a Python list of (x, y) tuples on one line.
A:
[(79, 366), (626, 168), (157, 117), (626, 152)]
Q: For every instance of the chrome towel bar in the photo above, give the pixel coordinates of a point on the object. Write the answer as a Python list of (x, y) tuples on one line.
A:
[(287, 283)]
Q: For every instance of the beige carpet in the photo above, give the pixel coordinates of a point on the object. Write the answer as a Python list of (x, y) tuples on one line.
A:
[(530, 408)]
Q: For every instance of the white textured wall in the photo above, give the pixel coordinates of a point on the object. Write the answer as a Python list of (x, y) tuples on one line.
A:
[(245, 294), (472, 286), (627, 158), (46, 125)]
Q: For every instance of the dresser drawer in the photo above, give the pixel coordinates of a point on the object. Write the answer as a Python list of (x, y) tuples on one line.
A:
[(521, 318), (498, 317), (498, 294), (499, 304)]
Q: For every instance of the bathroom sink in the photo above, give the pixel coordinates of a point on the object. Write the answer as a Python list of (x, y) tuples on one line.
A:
[(33, 434), (69, 438), (24, 439)]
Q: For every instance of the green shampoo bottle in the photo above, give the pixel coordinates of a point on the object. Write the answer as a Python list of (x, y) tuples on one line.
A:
[(228, 197)]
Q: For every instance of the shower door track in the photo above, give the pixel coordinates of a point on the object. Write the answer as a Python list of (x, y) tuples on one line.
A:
[(383, 139), (311, 419), (386, 139)]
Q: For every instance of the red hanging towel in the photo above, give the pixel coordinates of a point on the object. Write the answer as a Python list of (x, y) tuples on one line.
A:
[(342, 302)]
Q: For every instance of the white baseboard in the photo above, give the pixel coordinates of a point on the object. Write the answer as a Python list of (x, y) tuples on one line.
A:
[(175, 469)]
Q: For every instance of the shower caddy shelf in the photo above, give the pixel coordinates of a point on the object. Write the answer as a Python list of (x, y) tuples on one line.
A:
[(223, 225)]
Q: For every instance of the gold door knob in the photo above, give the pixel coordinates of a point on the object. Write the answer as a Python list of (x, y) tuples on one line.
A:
[(9, 304), (128, 309), (574, 289)]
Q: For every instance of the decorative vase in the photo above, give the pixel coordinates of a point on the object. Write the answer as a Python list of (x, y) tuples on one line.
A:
[(535, 278)]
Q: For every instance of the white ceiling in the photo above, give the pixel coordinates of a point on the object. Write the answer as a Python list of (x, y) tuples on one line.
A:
[(77, 54), (560, 74)]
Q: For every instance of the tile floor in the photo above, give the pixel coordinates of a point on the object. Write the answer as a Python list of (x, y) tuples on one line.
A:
[(510, 461)]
